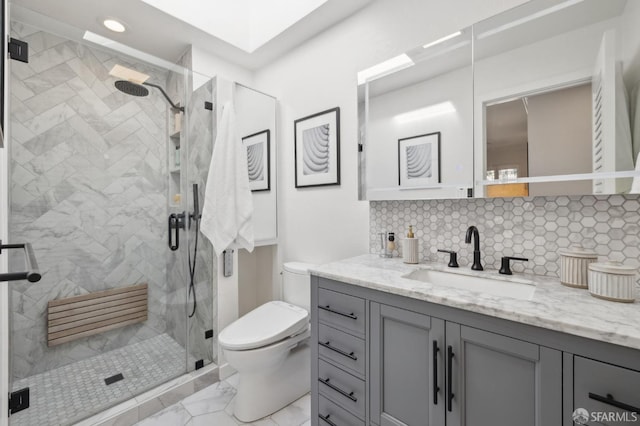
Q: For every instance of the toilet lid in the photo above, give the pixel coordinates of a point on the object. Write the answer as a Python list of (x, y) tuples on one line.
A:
[(266, 324)]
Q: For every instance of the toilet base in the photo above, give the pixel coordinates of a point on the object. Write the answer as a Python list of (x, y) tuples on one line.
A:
[(262, 393)]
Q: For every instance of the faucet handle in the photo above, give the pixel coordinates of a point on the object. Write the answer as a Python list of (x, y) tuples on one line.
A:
[(453, 258), (505, 267)]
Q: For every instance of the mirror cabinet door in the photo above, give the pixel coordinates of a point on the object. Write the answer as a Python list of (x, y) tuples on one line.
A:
[(416, 124), (539, 100), (554, 84)]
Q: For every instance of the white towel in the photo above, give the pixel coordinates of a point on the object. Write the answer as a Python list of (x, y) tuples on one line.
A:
[(228, 203)]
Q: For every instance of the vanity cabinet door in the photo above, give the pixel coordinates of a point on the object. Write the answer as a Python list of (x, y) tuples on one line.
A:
[(609, 392), (406, 349), (501, 381)]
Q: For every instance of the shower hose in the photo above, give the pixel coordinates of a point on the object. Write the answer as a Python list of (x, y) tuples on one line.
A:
[(192, 270)]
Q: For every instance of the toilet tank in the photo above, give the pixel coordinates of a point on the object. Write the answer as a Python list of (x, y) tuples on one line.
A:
[(296, 284)]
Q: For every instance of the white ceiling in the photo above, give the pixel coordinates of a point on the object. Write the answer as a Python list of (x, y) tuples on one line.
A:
[(153, 31)]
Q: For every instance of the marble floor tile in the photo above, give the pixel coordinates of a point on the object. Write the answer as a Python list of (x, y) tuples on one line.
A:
[(209, 400), (294, 414), (174, 415), (218, 419), (213, 405)]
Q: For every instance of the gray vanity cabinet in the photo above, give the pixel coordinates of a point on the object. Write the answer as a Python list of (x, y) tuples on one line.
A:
[(380, 359), (407, 384), (494, 380), (425, 371)]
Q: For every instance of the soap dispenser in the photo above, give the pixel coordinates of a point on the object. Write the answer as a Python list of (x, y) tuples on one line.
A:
[(410, 247)]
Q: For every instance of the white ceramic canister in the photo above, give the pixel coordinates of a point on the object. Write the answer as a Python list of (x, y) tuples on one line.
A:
[(613, 281), (574, 266), (410, 250)]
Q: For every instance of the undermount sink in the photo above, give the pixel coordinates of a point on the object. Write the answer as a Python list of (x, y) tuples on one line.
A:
[(515, 288)]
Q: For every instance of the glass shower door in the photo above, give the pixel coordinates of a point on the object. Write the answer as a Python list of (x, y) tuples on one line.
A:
[(94, 180)]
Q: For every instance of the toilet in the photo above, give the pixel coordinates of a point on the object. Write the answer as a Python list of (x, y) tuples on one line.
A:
[(268, 347)]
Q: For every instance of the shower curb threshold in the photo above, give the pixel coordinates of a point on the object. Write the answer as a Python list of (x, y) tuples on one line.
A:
[(155, 400)]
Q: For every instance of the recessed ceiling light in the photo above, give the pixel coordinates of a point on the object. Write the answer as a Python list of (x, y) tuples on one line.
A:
[(443, 39), (427, 112), (387, 67), (114, 25)]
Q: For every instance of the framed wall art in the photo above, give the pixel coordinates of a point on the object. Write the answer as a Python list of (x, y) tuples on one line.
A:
[(258, 160), (419, 160), (317, 149)]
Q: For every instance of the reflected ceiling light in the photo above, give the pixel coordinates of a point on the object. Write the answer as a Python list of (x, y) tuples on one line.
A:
[(113, 25), (529, 18), (443, 39), (124, 73), (130, 51), (427, 112), (387, 67)]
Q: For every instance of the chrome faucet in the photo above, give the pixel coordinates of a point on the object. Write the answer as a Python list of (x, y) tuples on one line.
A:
[(473, 231)]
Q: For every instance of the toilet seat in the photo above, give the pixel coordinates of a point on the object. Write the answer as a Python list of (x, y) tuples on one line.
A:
[(263, 326)]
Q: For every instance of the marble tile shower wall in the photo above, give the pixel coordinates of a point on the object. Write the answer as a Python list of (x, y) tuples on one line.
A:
[(535, 228), (88, 190)]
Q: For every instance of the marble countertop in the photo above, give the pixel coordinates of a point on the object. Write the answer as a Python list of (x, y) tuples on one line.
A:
[(552, 305)]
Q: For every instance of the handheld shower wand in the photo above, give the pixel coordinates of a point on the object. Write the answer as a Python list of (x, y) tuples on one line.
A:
[(195, 217)]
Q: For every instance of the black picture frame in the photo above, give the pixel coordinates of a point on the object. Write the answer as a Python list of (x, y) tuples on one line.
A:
[(426, 139), (263, 136), (310, 173)]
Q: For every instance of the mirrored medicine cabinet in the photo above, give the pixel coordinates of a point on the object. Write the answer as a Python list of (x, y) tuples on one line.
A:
[(539, 100)]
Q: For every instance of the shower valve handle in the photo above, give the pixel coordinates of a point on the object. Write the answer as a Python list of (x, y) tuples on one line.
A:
[(176, 221)]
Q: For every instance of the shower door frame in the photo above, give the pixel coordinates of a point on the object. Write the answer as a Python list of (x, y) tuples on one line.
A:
[(4, 289), (4, 234)]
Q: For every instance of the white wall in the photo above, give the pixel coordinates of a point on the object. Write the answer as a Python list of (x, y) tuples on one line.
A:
[(325, 224), (205, 65)]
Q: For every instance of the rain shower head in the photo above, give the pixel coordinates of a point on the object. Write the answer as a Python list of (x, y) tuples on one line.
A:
[(130, 88), (132, 82)]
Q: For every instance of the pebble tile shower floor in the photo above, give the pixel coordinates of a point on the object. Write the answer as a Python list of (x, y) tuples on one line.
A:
[(70, 393)]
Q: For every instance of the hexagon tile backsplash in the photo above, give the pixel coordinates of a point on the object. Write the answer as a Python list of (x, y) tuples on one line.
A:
[(535, 228)]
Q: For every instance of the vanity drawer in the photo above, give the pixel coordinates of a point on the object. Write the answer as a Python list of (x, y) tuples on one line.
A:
[(341, 348), (600, 387), (341, 311), (341, 387), (331, 414)]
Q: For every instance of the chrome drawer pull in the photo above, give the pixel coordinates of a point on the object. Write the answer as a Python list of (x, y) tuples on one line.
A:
[(328, 309), (611, 401), (326, 419), (327, 345), (337, 389)]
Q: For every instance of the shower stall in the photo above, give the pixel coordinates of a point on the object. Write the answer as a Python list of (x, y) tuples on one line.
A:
[(102, 181)]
